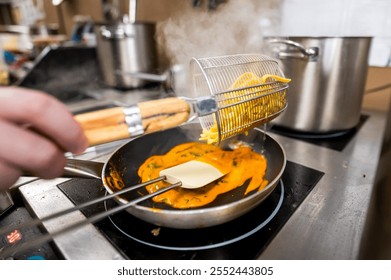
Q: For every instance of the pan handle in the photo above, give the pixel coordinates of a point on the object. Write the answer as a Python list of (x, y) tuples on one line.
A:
[(76, 168)]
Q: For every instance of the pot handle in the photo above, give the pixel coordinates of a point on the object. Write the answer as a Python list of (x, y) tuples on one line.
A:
[(118, 34), (144, 76), (311, 53)]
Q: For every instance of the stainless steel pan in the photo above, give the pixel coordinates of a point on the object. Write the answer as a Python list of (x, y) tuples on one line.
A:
[(127, 159)]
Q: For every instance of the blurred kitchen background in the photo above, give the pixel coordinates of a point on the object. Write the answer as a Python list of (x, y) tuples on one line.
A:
[(188, 28), (170, 32), (83, 50), (243, 23)]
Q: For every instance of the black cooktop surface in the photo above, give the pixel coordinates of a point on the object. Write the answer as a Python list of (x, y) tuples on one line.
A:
[(243, 238), (335, 140)]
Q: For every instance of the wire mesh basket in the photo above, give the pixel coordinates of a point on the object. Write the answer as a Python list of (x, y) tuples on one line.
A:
[(247, 95)]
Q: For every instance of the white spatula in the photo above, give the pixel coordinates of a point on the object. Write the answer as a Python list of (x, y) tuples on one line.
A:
[(192, 174)]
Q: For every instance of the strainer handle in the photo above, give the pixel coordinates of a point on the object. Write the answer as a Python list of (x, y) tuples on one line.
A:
[(203, 105), (107, 125)]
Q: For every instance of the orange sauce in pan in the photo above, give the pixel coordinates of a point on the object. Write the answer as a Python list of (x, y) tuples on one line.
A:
[(241, 163)]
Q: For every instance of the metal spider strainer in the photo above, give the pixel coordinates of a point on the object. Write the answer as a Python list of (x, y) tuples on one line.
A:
[(234, 93)]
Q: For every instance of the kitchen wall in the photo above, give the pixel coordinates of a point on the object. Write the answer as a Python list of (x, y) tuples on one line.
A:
[(185, 31), (342, 18), (348, 18), (270, 17), (147, 10), (63, 14), (377, 93)]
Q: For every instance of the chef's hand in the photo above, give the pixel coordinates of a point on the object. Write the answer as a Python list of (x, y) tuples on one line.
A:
[(35, 132)]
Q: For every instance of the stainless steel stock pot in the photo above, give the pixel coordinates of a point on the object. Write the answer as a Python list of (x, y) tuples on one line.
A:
[(328, 80)]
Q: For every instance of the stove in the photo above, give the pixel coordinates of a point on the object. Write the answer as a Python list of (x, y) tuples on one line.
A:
[(243, 238), (246, 237), (335, 140), (136, 239)]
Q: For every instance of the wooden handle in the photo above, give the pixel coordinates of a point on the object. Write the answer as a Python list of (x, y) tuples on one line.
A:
[(108, 125), (164, 106), (162, 123), (101, 118), (163, 114), (103, 126), (107, 134)]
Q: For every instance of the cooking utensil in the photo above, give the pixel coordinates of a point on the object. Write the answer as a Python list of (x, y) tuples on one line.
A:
[(328, 81), (224, 110), (126, 160), (192, 174), (145, 117), (122, 167)]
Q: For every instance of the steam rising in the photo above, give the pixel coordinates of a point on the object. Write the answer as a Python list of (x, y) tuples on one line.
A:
[(235, 27)]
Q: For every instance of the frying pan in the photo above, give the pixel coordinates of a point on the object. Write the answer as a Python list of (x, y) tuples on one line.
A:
[(126, 160)]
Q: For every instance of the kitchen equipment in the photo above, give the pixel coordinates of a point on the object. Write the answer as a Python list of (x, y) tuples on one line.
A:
[(230, 101), (126, 46), (126, 160), (328, 79), (243, 238), (188, 174), (117, 123), (121, 168)]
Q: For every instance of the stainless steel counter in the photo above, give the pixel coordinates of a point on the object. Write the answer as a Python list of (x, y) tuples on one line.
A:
[(329, 223)]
